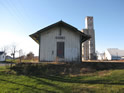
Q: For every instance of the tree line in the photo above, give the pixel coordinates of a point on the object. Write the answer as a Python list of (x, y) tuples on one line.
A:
[(12, 51)]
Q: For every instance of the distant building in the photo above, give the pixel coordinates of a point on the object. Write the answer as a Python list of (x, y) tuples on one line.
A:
[(2, 56), (88, 47), (60, 42), (122, 57), (114, 54), (101, 56), (8, 57)]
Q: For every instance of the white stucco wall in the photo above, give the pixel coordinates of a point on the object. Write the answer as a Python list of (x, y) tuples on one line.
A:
[(99, 57), (48, 45)]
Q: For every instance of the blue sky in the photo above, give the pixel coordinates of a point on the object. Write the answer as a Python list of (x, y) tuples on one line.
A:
[(20, 18)]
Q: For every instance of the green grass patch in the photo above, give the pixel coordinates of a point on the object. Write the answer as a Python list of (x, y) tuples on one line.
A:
[(18, 60), (104, 81)]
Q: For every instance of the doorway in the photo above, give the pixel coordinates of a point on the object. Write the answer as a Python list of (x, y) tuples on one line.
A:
[(60, 49)]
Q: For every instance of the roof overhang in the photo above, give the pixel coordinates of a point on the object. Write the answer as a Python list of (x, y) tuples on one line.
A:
[(36, 36)]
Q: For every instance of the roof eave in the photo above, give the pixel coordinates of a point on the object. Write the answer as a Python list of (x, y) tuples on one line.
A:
[(34, 38), (85, 39)]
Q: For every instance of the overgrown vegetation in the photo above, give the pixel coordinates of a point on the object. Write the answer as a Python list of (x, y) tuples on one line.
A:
[(60, 78), (36, 69)]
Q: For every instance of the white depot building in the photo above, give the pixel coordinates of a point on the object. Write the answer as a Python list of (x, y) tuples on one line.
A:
[(62, 42), (88, 47)]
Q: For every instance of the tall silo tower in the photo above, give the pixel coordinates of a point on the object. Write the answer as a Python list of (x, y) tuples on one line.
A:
[(88, 47)]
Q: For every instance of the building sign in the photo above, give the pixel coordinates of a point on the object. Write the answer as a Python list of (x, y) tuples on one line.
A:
[(60, 37)]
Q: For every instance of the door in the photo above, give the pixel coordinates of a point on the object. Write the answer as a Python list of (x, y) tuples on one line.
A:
[(60, 49)]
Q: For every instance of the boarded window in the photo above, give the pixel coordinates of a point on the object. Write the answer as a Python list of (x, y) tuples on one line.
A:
[(60, 49)]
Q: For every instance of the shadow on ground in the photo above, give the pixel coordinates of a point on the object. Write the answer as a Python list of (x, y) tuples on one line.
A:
[(58, 72)]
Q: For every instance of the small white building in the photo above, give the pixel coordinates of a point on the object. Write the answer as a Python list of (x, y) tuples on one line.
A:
[(114, 54), (60, 42), (2, 56), (101, 56)]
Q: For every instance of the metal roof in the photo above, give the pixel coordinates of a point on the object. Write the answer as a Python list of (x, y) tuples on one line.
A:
[(116, 52), (1, 53)]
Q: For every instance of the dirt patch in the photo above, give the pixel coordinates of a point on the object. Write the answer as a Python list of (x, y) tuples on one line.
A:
[(104, 73)]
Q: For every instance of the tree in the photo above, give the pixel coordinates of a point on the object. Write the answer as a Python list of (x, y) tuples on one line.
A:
[(30, 55)]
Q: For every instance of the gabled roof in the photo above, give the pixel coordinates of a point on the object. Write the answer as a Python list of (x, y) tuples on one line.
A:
[(61, 23), (1, 53), (116, 52)]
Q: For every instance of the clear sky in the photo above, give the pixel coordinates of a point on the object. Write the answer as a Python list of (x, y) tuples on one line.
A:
[(20, 18)]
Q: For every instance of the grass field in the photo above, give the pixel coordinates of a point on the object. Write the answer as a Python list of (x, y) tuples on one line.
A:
[(103, 81), (18, 60)]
